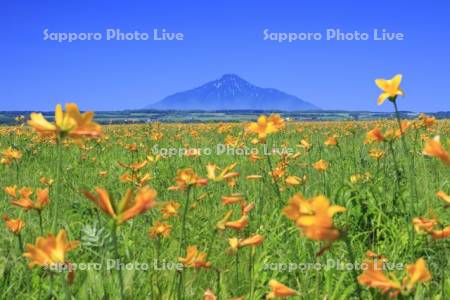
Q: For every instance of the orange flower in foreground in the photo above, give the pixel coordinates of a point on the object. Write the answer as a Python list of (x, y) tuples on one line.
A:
[(314, 216), (14, 225), (433, 147), (49, 251), (424, 225), (194, 258), (187, 178), (418, 272), (127, 208), (374, 277), (279, 290)]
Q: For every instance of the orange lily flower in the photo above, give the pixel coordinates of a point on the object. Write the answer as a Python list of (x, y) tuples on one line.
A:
[(14, 225), (187, 178), (320, 165), (434, 148), (265, 126), (194, 258), (127, 209), (314, 216), (170, 209), (374, 277), (443, 196), (279, 290), (209, 295), (50, 250), (224, 175), (160, 229), (26, 203), (238, 224), (417, 272)]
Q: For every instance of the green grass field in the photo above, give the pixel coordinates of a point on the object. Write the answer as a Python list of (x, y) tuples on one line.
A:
[(381, 197)]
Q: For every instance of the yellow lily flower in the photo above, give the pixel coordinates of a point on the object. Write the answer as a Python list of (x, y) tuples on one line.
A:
[(390, 87)]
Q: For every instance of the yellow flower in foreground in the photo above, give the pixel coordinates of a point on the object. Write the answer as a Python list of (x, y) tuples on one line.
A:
[(50, 250), (194, 258), (314, 216), (71, 122), (14, 225), (279, 290), (433, 147), (127, 208), (390, 87)]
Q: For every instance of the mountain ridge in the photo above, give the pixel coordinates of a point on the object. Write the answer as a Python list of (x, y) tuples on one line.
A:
[(231, 92)]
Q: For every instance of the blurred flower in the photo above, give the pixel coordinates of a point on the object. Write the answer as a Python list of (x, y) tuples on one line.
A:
[(314, 216), (9, 155), (417, 272), (160, 229), (194, 258), (443, 196), (279, 290), (169, 209), (239, 224), (374, 277), (320, 165), (434, 148), (265, 126), (71, 122), (209, 295), (224, 175), (50, 250), (13, 225), (187, 178), (25, 202)]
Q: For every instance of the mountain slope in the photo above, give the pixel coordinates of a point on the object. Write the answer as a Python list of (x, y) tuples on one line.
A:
[(231, 92)]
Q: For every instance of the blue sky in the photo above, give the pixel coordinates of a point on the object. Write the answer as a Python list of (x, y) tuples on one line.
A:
[(221, 37)]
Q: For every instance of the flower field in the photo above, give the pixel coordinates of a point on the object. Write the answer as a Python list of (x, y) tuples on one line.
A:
[(268, 209)]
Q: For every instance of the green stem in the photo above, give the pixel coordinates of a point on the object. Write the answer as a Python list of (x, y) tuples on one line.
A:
[(351, 257), (58, 183), (41, 227), (66, 287), (19, 239), (116, 253)]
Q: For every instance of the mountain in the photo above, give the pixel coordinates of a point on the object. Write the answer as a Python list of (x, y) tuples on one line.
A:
[(231, 92)]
